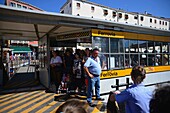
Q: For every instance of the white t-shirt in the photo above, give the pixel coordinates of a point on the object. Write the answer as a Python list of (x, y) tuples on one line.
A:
[(57, 59)]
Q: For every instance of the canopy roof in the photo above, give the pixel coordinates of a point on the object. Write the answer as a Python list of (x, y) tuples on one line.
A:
[(20, 24)]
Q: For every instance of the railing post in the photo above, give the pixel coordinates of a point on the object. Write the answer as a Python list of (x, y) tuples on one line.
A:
[(117, 84), (127, 82)]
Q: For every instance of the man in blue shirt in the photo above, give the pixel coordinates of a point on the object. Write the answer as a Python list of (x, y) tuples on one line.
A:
[(93, 70), (136, 97)]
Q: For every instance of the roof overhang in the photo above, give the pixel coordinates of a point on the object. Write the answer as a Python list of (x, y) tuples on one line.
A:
[(19, 24)]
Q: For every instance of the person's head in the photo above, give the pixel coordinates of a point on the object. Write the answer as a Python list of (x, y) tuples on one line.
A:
[(138, 74), (77, 55), (160, 102), (95, 52), (55, 53), (72, 106), (87, 52), (67, 53)]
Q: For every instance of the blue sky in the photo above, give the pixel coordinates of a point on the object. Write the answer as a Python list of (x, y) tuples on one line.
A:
[(155, 7)]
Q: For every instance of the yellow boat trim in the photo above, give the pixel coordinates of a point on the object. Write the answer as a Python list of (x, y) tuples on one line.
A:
[(125, 72)]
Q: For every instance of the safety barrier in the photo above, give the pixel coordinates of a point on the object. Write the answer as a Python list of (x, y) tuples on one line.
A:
[(127, 84)]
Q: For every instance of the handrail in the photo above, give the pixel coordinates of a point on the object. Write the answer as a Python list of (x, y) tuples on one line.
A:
[(28, 68), (127, 84)]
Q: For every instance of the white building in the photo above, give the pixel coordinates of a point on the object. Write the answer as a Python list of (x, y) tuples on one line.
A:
[(93, 10)]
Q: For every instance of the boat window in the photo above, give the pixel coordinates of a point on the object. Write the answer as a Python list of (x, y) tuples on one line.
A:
[(104, 60), (116, 61), (116, 45), (102, 43)]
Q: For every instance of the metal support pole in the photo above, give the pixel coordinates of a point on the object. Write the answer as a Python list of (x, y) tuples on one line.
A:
[(117, 84), (127, 82)]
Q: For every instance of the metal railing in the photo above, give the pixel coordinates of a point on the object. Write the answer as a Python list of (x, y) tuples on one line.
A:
[(118, 85)]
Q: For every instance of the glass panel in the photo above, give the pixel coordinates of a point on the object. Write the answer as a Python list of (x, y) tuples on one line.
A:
[(116, 61), (165, 59), (104, 61), (157, 60), (168, 47), (133, 46), (151, 47), (116, 45), (165, 47), (142, 46), (134, 60), (12, 4), (169, 53), (126, 44), (143, 59), (169, 58), (121, 50), (102, 43), (158, 47), (18, 5), (127, 61)]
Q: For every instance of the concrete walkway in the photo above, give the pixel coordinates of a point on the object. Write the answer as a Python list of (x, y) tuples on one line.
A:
[(26, 69)]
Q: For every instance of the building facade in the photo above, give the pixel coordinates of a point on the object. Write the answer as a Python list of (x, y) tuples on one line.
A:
[(20, 4), (97, 11)]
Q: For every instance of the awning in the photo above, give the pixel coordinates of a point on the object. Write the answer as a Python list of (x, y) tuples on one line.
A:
[(20, 49), (33, 43)]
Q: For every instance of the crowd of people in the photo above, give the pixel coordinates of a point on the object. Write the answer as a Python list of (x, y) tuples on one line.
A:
[(67, 68), (83, 71)]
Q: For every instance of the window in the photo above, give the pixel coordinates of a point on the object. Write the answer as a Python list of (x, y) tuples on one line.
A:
[(133, 46), (158, 47), (120, 15), (143, 50), (143, 46), (134, 60), (136, 17), (155, 21), (127, 61), (70, 4), (150, 20), (126, 16), (62, 11), (78, 5), (160, 22), (116, 61), (105, 12), (24, 7), (141, 18), (165, 48), (116, 45), (104, 61), (114, 14), (166, 23), (12, 4), (92, 8), (116, 53), (18, 5), (102, 43), (126, 46), (151, 55)]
